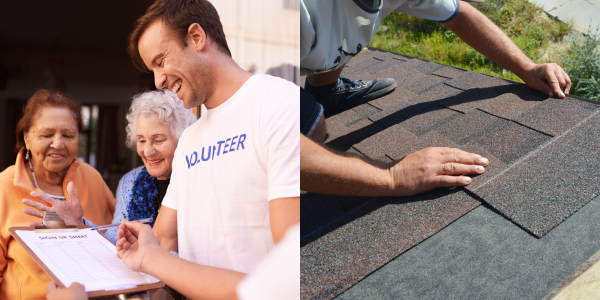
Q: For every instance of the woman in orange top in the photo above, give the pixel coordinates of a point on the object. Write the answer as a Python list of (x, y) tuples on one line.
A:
[(47, 142)]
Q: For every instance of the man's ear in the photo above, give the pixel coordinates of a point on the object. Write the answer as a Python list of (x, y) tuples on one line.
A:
[(197, 36)]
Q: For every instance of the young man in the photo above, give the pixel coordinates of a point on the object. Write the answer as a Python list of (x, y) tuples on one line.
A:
[(235, 184)]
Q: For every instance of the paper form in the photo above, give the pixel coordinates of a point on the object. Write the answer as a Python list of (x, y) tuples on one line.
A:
[(85, 257)]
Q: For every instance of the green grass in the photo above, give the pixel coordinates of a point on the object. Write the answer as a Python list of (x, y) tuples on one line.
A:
[(429, 40)]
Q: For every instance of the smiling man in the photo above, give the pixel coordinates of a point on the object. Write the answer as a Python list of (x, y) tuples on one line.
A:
[(235, 184)]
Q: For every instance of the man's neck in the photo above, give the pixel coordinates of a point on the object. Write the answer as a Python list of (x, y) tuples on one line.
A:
[(229, 78)]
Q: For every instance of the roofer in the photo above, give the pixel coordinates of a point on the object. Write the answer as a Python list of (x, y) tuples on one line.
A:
[(331, 33)]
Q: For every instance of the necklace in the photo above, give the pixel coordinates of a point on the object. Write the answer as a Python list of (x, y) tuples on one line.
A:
[(37, 186)]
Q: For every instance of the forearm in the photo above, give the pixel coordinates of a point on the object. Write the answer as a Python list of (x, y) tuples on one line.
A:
[(322, 171), (483, 35), (283, 214), (192, 280)]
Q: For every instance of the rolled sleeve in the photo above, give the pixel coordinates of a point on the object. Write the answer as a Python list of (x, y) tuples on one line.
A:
[(435, 10)]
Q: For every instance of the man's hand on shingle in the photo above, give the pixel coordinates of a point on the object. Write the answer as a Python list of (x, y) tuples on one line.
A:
[(550, 79), (431, 168)]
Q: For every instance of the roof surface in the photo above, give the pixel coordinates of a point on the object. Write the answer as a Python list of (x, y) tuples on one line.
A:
[(544, 166)]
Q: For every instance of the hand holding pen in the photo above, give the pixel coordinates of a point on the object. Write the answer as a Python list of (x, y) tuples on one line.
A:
[(143, 221)]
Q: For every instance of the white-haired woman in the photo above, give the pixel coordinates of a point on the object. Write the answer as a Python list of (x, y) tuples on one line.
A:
[(156, 121)]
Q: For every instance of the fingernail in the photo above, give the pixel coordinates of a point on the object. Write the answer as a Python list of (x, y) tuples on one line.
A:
[(551, 94), (477, 155), (484, 161), (562, 94), (468, 179), (479, 168), (34, 193)]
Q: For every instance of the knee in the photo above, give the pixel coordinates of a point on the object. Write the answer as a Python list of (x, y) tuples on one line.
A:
[(320, 132)]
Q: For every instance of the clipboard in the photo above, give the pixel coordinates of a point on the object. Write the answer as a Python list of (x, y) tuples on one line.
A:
[(52, 224)]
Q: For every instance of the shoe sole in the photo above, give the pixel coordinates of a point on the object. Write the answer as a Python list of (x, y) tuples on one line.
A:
[(382, 92), (370, 97)]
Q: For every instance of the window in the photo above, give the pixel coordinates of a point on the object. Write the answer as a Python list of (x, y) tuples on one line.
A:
[(89, 136)]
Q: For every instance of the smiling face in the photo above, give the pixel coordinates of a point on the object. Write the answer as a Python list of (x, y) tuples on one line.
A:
[(156, 146), (177, 68), (52, 139)]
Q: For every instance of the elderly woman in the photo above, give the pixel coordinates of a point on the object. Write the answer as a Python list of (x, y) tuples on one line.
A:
[(46, 168), (156, 121)]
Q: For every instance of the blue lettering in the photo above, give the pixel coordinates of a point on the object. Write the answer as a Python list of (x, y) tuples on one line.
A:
[(241, 142), (214, 149), (207, 157), (232, 143), (193, 160), (225, 147), (219, 142), (188, 161)]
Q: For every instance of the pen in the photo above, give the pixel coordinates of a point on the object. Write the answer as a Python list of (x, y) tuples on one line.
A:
[(148, 220)]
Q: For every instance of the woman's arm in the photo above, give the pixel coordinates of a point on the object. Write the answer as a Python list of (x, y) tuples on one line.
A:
[(120, 210)]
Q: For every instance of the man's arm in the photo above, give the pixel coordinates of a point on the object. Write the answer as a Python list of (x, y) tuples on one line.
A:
[(283, 213), (483, 35), (323, 171), (165, 228)]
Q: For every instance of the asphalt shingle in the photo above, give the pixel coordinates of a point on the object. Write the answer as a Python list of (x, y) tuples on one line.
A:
[(449, 72), (511, 141), (468, 80), (551, 183), (513, 103), (555, 116), (470, 126)]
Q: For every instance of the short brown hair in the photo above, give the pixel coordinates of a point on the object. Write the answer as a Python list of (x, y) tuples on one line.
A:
[(42, 99), (178, 15)]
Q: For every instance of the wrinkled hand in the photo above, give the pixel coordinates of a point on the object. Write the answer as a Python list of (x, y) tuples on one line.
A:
[(134, 242), (550, 79), (75, 292), (70, 211), (431, 168)]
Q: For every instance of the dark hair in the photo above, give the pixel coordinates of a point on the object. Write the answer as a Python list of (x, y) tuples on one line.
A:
[(42, 99), (178, 15)]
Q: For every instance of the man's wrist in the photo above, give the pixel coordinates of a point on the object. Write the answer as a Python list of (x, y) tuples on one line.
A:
[(152, 256), (386, 180)]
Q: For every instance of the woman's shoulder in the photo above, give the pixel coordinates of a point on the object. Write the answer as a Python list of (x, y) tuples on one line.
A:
[(7, 178), (7, 174), (88, 170), (130, 176)]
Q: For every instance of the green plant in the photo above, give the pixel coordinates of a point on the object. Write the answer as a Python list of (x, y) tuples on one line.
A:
[(590, 88), (582, 63)]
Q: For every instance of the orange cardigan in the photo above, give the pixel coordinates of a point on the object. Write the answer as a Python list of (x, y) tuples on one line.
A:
[(20, 275)]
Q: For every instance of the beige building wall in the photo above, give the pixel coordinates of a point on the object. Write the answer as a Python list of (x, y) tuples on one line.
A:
[(263, 35)]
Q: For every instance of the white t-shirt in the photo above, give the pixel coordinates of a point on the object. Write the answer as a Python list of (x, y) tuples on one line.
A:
[(332, 32), (228, 166), (277, 276)]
